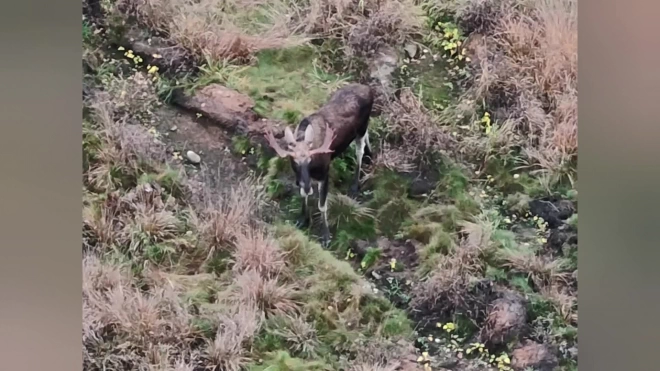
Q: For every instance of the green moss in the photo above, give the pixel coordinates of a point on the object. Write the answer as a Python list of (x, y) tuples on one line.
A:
[(219, 263), (496, 274), (287, 83), (453, 182), (205, 326), (521, 283), (159, 253), (396, 323), (449, 216), (441, 243), (169, 179), (518, 203), (373, 309), (388, 185), (538, 306), (391, 216), (282, 361)]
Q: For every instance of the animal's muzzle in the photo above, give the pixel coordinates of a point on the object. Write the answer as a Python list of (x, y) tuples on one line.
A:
[(306, 190)]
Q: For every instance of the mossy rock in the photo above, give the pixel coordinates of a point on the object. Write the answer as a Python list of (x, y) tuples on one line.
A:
[(391, 216)]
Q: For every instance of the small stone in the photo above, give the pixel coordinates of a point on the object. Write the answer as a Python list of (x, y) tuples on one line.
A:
[(411, 49), (174, 128), (193, 157)]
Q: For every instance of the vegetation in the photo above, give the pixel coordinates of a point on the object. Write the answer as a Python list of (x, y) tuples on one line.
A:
[(461, 248)]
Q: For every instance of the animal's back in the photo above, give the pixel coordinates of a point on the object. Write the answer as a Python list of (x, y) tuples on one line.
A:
[(346, 112), (352, 102)]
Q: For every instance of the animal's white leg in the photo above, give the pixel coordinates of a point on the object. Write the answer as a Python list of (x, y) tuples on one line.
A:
[(323, 207), (360, 143)]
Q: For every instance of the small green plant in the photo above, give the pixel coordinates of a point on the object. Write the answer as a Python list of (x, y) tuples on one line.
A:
[(282, 361), (372, 255), (241, 145), (396, 323)]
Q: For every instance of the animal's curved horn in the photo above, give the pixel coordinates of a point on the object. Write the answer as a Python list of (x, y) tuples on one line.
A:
[(273, 143), (327, 142)]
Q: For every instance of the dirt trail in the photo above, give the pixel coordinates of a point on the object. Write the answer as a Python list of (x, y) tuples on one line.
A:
[(183, 131)]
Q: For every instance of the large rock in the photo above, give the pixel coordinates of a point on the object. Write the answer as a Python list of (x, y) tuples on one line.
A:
[(225, 106), (506, 318), (535, 356), (552, 209)]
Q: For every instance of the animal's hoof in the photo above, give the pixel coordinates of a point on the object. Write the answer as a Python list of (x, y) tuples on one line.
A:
[(302, 223), (366, 160)]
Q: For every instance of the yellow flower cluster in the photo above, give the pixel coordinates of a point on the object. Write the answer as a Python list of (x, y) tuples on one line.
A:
[(425, 360), (502, 362)]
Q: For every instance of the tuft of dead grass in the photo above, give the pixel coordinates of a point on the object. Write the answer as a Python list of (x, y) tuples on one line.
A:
[(119, 150), (218, 29), (221, 218), (393, 158), (268, 294), (408, 121), (116, 312), (256, 251), (542, 269), (300, 335), (236, 330), (454, 284)]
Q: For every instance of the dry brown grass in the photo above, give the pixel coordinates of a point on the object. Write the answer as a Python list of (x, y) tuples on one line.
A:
[(237, 328), (115, 312), (119, 147), (219, 219), (410, 122), (300, 335), (565, 304), (543, 270), (393, 158), (269, 294), (256, 251), (451, 284), (526, 71), (218, 29), (236, 29)]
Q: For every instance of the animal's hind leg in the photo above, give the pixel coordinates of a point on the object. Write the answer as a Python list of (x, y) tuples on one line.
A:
[(360, 145), (367, 155)]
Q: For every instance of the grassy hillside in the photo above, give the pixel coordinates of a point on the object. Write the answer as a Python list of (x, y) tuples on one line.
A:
[(460, 252)]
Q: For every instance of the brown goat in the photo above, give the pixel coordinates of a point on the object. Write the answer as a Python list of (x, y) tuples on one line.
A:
[(322, 136)]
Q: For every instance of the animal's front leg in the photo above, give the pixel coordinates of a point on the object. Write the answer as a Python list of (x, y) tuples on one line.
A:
[(303, 220), (323, 207)]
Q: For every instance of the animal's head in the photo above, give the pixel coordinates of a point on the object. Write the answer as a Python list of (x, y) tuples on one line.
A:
[(301, 152)]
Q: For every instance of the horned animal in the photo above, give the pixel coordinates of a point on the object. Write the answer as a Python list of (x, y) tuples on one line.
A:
[(321, 137)]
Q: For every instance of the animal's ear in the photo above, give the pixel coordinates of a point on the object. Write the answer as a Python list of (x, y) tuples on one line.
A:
[(288, 136), (309, 134)]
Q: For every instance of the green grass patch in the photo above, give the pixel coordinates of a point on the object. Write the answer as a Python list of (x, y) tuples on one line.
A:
[(287, 84)]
